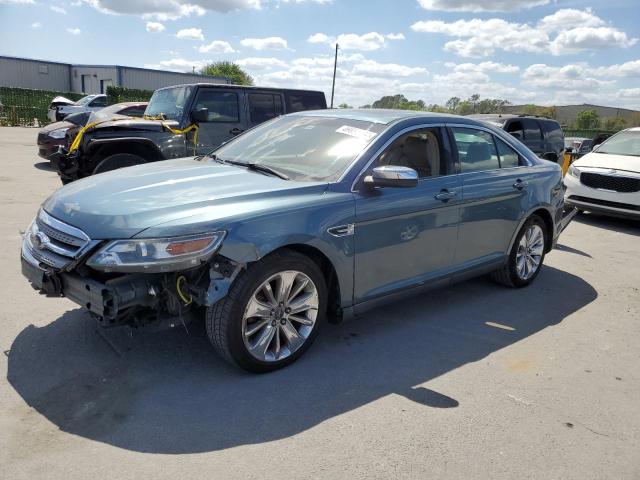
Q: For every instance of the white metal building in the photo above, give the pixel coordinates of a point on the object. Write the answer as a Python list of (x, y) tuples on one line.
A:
[(65, 77)]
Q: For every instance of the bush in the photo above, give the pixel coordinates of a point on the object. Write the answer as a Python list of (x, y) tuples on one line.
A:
[(27, 107), (121, 94)]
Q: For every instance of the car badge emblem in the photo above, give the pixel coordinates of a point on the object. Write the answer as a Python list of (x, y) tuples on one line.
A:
[(39, 240)]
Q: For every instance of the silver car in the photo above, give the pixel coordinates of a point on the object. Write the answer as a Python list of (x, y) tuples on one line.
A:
[(62, 107)]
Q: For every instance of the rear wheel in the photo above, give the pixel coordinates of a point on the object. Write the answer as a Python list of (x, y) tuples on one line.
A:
[(118, 160), (526, 256), (271, 314)]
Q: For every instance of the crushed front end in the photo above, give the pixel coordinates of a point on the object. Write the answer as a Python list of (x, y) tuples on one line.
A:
[(109, 280)]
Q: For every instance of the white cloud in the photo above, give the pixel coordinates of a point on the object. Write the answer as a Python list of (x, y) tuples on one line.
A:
[(480, 5), (179, 65), (217, 46), (190, 34), (268, 43), (36, 25), (74, 31), (164, 10), (487, 67), (567, 77), (352, 41), (155, 27), (373, 68), (627, 69), (395, 36), (18, 2), (57, 9), (261, 63), (481, 38), (630, 93)]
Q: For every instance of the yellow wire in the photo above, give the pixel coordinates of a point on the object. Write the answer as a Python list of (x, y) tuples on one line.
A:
[(186, 300)]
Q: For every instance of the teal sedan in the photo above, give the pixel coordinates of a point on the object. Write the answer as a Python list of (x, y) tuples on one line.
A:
[(309, 217)]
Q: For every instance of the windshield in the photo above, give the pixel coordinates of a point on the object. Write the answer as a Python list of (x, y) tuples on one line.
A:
[(303, 147), (623, 143), (85, 100), (169, 102)]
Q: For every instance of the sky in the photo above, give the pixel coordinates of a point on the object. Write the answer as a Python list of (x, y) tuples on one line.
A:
[(548, 52)]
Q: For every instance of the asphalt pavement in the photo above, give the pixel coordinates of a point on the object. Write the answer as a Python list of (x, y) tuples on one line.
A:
[(469, 382)]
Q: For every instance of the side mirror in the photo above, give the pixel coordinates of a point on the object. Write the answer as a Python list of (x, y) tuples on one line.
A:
[(200, 115), (392, 176), (551, 156)]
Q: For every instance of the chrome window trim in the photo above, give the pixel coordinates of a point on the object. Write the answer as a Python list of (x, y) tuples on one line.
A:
[(384, 146)]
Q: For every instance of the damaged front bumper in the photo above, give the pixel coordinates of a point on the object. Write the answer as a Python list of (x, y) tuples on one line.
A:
[(65, 164)]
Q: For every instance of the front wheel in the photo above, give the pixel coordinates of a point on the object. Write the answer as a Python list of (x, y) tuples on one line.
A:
[(526, 256), (271, 314)]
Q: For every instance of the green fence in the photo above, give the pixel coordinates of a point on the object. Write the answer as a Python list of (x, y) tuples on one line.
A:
[(26, 107), (121, 94), (587, 133)]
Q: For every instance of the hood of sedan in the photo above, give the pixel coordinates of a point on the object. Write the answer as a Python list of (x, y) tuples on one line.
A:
[(122, 203), (627, 163)]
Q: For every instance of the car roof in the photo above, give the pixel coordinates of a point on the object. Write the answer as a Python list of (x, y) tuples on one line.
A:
[(381, 115), (246, 87)]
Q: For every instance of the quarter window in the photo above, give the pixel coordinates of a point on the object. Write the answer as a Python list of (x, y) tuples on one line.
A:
[(476, 150), (420, 150), (264, 106), (222, 106), (509, 158)]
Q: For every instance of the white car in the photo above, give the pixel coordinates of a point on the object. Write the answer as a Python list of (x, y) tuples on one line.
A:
[(61, 107), (607, 180)]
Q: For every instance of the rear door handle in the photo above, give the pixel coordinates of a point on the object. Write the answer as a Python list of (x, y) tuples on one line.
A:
[(236, 131), (445, 195), (520, 184)]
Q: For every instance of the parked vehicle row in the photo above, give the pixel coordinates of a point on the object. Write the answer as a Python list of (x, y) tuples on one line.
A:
[(62, 107), (53, 136), (308, 216), (220, 112), (607, 179)]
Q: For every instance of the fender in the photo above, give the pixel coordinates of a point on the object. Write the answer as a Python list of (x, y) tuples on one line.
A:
[(98, 142), (525, 217)]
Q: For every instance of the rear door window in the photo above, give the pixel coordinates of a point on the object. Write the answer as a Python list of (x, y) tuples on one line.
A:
[(509, 158), (298, 102), (264, 106), (516, 129), (476, 150)]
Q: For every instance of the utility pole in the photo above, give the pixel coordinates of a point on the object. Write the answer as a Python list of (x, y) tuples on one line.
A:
[(333, 84)]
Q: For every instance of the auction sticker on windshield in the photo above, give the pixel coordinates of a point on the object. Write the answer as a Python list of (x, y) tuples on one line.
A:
[(356, 132)]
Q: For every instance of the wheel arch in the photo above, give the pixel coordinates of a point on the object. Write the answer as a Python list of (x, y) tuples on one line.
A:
[(546, 216), (143, 147), (328, 270)]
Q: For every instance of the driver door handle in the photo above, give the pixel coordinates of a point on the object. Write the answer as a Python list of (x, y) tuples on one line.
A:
[(520, 184), (236, 131), (444, 195)]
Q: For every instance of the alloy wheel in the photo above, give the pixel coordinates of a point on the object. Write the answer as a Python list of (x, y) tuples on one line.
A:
[(280, 316), (530, 251)]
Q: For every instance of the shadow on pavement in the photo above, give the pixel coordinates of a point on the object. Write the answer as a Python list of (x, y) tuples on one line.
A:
[(170, 393), (616, 224)]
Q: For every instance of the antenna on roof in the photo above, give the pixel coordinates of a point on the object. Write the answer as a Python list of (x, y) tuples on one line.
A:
[(333, 84)]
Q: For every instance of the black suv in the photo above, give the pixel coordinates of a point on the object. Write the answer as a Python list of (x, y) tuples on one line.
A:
[(543, 136), (179, 121)]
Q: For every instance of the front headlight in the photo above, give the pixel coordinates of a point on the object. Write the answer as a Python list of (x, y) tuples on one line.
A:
[(156, 254), (574, 171), (58, 132)]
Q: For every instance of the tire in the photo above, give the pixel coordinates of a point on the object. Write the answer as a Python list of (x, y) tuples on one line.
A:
[(118, 160), (511, 275), (228, 321)]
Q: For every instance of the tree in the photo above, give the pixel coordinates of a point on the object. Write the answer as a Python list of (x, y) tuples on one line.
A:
[(587, 119), (344, 105), (452, 104), (614, 123), (229, 70)]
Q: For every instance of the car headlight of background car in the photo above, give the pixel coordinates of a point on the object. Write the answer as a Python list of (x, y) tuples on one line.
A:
[(574, 171), (58, 132), (156, 254)]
